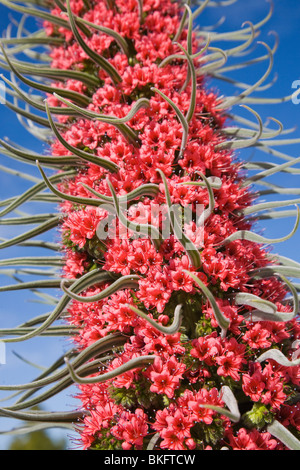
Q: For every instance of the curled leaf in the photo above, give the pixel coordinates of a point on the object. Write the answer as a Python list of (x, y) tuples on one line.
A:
[(222, 321), (129, 133), (264, 311), (187, 244), (125, 282), (98, 59), (107, 164), (144, 190), (253, 237), (278, 357), (146, 229), (42, 416), (101, 346), (284, 435), (135, 363), (167, 330), (181, 117), (80, 284), (229, 399), (76, 199), (255, 301)]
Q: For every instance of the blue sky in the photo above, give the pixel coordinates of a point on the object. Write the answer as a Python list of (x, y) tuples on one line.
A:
[(16, 307)]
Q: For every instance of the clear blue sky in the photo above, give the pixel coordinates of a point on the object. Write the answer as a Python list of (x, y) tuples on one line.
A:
[(15, 308)]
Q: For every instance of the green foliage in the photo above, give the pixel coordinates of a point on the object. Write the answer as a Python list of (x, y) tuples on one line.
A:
[(259, 416), (37, 441)]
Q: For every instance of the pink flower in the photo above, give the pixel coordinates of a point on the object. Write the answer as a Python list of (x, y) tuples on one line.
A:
[(82, 225), (257, 337), (131, 428), (75, 264), (156, 289), (207, 349), (166, 377), (252, 440), (253, 385), (203, 397)]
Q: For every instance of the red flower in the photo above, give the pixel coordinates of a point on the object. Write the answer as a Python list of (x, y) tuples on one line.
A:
[(257, 337), (166, 377), (131, 428), (252, 440), (83, 224), (253, 385)]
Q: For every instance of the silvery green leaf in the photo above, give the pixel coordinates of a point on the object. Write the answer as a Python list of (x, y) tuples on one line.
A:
[(137, 362), (229, 399), (278, 357), (229, 102), (254, 301), (42, 228), (188, 245), (98, 59), (31, 192), (238, 144), (146, 229), (76, 199), (254, 237), (41, 416), (167, 330), (222, 321), (181, 117), (284, 435), (125, 282), (107, 164), (148, 189), (87, 280), (100, 346)]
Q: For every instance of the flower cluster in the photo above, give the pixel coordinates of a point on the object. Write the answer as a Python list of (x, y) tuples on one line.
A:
[(177, 397)]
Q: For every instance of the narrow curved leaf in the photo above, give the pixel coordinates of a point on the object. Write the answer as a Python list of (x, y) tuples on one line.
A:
[(44, 227), (125, 282), (28, 195), (76, 199), (229, 399), (229, 102), (80, 284), (135, 363), (146, 229), (183, 239), (181, 117), (253, 237), (279, 357), (98, 59), (167, 330), (284, 435), (129, 133), (101, 346), (149, 189), (222, 321), (107, 164), (42, 416), (238, 144), (254, 301)]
